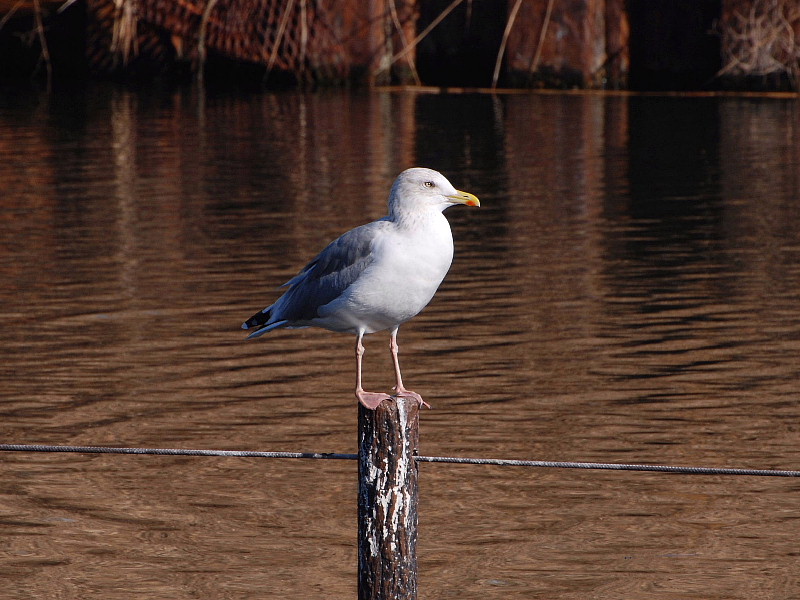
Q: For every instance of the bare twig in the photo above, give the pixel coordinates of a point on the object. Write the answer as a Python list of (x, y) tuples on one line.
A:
[(303, 38), (422, 35), (123, 36), (201, 37), (65, 6), (509, 24), (37, 15), (396, 20), (538, 54), (281, 29), (10, 13)]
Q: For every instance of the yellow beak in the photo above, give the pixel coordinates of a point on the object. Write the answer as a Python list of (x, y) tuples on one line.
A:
[(465, 198)]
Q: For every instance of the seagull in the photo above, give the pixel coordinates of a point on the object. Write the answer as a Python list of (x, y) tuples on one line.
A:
[(377, 276)]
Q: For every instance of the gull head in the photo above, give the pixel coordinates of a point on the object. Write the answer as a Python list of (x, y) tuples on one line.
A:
[(418, 188)]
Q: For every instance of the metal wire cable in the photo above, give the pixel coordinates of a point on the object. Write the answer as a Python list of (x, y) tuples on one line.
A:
[(429, 459), (611, 466), (172, 451)]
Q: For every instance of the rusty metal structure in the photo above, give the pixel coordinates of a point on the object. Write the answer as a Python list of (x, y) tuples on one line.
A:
[(761, 38), (314, 40), (529, 43), (582, 43)]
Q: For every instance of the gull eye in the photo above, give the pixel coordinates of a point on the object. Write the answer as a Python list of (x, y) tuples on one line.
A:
[(429, 184)]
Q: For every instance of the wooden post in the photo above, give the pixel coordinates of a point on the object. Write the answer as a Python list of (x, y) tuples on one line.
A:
[(388, 493)]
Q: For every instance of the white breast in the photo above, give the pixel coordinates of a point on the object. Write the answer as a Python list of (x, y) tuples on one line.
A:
[(408, 266)]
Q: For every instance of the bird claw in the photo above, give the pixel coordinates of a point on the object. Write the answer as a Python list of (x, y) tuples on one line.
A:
[(371, 400), (413, 395)]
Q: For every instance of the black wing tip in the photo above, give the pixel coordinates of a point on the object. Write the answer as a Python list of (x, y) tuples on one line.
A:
[(259, 319)]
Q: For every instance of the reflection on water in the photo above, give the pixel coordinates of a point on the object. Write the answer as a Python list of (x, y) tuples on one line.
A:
[(629, 293)]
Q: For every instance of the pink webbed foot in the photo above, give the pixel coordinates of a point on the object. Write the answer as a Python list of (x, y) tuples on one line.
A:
[(371, 400), (409, 394)]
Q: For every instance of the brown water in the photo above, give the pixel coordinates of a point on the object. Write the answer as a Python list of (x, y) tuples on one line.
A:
[(629, 292)]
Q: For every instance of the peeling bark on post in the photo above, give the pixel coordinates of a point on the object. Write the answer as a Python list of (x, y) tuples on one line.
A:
[(388, 494)]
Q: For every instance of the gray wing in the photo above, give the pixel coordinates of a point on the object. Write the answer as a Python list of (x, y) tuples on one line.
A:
[(327, 276)]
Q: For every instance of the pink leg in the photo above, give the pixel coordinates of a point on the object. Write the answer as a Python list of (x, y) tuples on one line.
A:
[(399, 388), (369, 399)]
